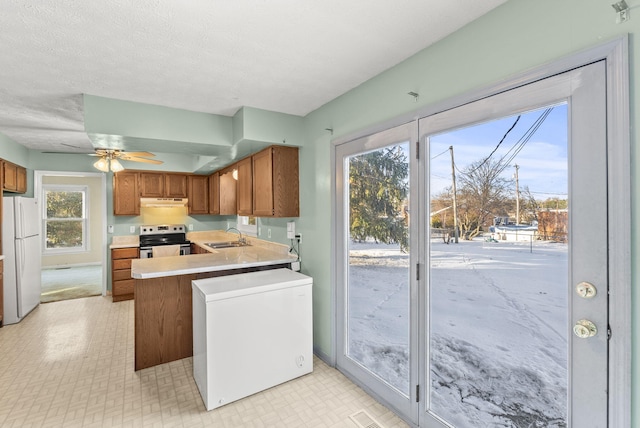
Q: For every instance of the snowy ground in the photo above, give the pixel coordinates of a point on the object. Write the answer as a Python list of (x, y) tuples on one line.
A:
[(498, 351)]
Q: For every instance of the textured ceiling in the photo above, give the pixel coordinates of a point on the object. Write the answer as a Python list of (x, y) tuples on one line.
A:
[(213, 56)]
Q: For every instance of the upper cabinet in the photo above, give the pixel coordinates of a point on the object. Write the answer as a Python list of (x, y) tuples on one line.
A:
[(126, 196), (175, 185), (163, 185), (198, 194), (276, 182), (15, 177), (245, 187), (228, 192), (214, 193), (151, 184)]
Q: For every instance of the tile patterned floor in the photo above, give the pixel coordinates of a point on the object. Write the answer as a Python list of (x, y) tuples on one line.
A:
[(70, 364)]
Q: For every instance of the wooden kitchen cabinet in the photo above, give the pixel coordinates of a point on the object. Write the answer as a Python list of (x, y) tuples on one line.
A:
[(121, 281), (198, 194), (214, 193), (245, 187), (15, 177), (151, 184), (175, 186), (228, 192), (126, 197), (163, 185), (276, 182), (1, 292)]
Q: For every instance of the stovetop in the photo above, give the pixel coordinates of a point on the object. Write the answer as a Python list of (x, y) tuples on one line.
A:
[(163, 234)]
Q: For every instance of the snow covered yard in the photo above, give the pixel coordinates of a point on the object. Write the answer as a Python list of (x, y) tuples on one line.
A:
[(498, 348)]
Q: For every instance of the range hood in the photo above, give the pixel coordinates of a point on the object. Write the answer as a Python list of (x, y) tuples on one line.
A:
[(163, 202)]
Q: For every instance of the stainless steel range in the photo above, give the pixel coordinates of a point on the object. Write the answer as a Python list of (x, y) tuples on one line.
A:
[(163, 234)]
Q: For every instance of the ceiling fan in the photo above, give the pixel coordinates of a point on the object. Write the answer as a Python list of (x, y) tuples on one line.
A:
[(109, 159)]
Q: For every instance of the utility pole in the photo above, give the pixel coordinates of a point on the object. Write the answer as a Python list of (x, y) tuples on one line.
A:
[(517, 197), (455, 203)]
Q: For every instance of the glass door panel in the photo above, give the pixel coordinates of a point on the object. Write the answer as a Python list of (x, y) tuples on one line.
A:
[(498, 302), (378, 266)]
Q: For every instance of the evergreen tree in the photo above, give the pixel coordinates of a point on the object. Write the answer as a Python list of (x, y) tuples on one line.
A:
[(378, 190)]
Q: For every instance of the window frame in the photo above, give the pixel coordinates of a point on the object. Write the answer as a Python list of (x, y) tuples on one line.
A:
[(84, 220), (242, 224)]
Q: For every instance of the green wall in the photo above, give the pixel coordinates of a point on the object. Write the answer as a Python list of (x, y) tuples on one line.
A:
[(519, 35)]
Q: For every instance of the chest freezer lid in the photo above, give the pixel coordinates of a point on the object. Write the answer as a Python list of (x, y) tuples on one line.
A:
[(230, 286)]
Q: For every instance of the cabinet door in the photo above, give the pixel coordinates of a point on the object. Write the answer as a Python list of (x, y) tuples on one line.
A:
[(198, 194), (151, 184), (228, 192), (10, 176), (176, 186), (126, 197), (263, 183), (286, 182), (21, 179), (245, 187), (214, 193)]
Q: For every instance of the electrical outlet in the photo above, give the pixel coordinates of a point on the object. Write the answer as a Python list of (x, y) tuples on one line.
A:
[(299, 238), (269, 233), (132, 229), (190, 227)]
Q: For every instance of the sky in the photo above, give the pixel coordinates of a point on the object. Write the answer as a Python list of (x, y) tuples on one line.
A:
[(543, 162)]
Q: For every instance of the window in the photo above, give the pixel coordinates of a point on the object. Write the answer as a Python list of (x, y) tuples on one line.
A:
[(248, 224), (65, 219)]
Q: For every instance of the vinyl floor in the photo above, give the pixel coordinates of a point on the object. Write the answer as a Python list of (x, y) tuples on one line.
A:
[(70, 364)]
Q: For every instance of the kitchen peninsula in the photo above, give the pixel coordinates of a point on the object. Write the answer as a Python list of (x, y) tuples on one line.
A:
[(163, 296)]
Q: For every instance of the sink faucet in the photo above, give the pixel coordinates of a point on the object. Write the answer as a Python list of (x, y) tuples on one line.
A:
[(240, 238)]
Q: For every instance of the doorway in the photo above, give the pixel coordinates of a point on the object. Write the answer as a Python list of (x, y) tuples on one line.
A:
[(506, 301), (73, 234)]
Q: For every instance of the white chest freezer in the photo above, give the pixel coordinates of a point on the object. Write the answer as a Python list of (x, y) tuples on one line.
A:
[(251, 331)]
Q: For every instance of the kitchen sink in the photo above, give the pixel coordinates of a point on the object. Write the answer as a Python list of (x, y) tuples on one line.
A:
[(226, 244)]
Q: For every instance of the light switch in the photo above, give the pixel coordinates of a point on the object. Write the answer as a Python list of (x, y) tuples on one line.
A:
[(291, 229), (110, 229), (132, 229)]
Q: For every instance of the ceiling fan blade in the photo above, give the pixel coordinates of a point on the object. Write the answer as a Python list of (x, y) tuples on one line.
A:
[(143, 154), (136, 159)]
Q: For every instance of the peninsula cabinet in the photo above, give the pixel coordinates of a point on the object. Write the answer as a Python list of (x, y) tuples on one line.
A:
[(15, 177), (1, 292), (121, 281), (198, 194), (245, 187), (214, 193), (276, 182), (126, 196)]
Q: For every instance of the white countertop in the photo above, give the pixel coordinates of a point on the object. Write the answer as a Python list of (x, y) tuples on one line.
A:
[(216, 260), (126, 241), (259, 253)]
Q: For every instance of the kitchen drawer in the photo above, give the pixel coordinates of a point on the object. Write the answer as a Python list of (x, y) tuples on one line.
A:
[(123, 290), (124, 253), (119, 275), (120, 264)]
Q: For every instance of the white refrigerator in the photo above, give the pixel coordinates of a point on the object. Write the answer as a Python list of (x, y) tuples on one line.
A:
[(22, 257)]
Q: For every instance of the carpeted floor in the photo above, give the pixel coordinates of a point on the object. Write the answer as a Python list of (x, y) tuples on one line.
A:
[(71, 283)]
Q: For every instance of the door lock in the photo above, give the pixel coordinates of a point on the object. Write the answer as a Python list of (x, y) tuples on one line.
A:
[(586, 290), (585, 329)]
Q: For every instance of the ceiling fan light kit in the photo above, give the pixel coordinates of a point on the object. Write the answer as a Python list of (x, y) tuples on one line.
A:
[(109, 159)]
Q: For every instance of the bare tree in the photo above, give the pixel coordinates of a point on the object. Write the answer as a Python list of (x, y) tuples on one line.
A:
[(482, 194)]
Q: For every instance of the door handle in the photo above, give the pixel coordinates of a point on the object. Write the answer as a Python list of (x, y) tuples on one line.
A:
[(585, 329)]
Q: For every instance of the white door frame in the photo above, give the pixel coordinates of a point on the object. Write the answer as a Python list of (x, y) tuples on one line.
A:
[(615, 53), (37, 193)]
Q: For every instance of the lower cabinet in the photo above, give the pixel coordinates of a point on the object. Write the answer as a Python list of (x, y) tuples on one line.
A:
[(1, 293), (121, 281)]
